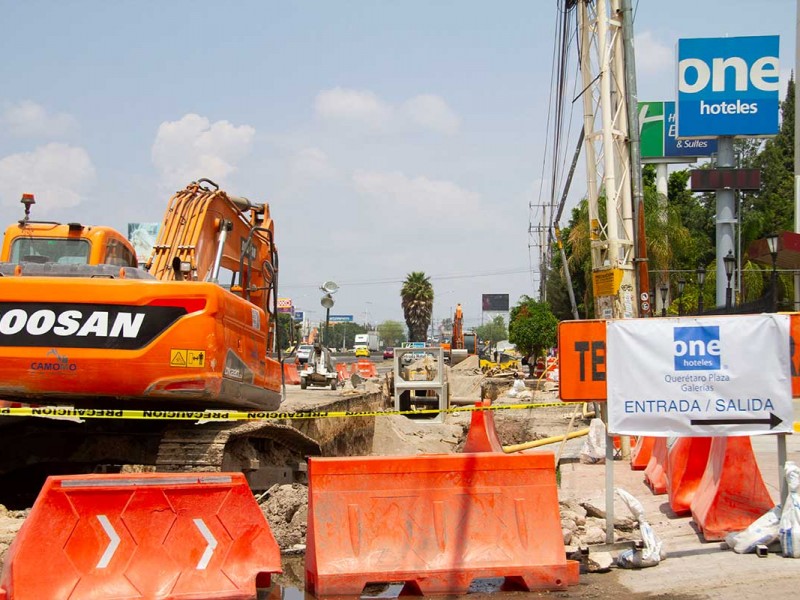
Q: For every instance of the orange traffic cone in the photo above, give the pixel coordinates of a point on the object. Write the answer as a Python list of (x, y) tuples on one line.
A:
[(731, 494), (686, 464), (655, 473), (482, 435), (641, 453)]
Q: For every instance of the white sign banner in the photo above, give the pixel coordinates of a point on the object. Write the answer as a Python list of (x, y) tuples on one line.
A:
[(697, 377)]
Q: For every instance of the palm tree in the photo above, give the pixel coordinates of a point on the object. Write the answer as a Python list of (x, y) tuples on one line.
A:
[(417, 295)]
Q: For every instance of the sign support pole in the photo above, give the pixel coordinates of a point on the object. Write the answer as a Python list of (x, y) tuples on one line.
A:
[(609, 476), (726, 218), (781, 465)]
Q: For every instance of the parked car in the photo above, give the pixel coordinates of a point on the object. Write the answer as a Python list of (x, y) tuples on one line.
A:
[(362, 351), (303, 352), (388, 353)]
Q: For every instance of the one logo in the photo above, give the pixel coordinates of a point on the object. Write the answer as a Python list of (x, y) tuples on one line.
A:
[(697, 348)]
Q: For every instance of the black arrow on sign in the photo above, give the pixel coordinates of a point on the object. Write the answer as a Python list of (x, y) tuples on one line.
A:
[(773, 421)]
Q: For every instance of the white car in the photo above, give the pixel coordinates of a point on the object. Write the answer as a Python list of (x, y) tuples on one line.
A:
[(303, 353)]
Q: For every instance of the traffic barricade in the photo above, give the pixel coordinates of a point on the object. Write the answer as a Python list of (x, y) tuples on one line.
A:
[(641, 453), (686, 463), (482, 434), (655, 473), (731, 494), (434, 522), (342, 371), (365, 368), (153, 535), (290, 374)]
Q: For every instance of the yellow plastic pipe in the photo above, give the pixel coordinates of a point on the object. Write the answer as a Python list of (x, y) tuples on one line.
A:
[(544, 441)]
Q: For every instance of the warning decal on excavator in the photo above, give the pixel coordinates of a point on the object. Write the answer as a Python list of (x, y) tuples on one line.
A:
[(187, 358)]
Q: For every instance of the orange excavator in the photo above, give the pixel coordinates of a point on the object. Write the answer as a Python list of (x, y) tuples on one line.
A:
[(82, 326)]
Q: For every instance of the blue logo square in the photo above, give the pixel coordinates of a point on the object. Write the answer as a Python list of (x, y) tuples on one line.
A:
[(697, 348)]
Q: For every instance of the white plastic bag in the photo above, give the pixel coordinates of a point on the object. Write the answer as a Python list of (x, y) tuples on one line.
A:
[(790, 516), (594, 447), (517, 389), (763, 530), (653, 551)]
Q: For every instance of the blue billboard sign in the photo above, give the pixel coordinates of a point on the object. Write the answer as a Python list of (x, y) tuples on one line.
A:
[(728, 86), (299, 315), (341, 319)]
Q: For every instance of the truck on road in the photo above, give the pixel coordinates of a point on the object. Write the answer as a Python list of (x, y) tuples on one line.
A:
[(367, 340)]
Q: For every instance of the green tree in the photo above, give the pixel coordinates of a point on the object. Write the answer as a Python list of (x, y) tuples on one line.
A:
[(285, 330), (533, 327), (392, 333), (342, 334), (417, 303), (494, 331)]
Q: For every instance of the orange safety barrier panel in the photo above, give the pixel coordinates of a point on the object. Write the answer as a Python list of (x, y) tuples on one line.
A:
[(655, 473), (365, 368), (290, 374), (731, 494), (341, 370), (434, 522), (641, 453), (482, 434), (150, 535), (686, 463)]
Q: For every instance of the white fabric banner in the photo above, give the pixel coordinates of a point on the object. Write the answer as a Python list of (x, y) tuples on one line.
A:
[(699, 376)]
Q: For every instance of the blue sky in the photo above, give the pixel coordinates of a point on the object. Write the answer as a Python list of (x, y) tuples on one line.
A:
[(387, 137)]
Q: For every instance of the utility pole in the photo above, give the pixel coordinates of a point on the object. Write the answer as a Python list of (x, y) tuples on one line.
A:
[(608, 163)]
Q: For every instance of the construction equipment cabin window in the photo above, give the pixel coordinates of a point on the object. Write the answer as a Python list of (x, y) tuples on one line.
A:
[(118, 255), (49, 250)]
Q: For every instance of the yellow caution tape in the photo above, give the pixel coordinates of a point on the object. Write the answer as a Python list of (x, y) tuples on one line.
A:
[(238, 415)]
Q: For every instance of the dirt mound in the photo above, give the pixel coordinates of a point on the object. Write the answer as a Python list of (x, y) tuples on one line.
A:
[(286, 509)]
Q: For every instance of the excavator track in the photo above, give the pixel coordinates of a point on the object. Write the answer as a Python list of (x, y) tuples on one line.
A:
[(267, 452)]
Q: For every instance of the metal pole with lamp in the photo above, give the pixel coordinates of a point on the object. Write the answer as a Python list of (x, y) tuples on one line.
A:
[(730, 265), (329, 287), (681, 286), (772, 242), (701, 280), (664, 290)]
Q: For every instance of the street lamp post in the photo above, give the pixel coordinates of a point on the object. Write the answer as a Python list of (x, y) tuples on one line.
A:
[(730, 265), (681, 286), (664, 290), (701, 280), (772, 242), (329, 287)]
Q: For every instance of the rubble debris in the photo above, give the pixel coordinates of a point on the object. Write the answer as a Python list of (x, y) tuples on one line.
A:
[(286, 508)]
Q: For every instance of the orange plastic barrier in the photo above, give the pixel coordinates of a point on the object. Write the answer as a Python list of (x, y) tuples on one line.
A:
[(731, 494), (290, 374), (365, 368), (641, 453), (153, 535), (482, 435), (655, 473), (686, 463), (341, 370), (435, 522)]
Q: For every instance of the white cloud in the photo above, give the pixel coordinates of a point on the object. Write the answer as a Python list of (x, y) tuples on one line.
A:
[(653, 57), (435, 199), (365, 108), (352, 105), (311, 163), (432, 112), (193, 147), (57, 174), (28, 119)]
